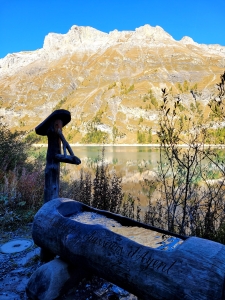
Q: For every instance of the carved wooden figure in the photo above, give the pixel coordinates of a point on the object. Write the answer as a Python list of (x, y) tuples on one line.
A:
[(52, 128)]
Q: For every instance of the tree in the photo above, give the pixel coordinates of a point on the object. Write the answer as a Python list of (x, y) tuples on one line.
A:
[(149, 140), (116, 194), (85, 186), (141, 138), (13, 148), (101, 194), (218, 101), (177, 169), (104, 193)]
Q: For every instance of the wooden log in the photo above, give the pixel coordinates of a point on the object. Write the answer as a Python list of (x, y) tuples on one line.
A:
[(68, 159), (52, 168), (194, 269)]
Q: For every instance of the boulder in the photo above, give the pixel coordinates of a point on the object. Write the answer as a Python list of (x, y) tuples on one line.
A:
[(53, 279)]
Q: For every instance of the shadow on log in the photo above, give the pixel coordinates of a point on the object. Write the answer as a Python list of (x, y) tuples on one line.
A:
[(155, 265)]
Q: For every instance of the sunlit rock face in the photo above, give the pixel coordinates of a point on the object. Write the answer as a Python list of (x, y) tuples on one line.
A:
[(77, 39), (91, 72)]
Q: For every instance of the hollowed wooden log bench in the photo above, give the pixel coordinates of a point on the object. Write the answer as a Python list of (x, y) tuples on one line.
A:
[(146, 261)]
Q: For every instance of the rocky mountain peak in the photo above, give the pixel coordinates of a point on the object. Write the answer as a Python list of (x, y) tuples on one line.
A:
[(187, 40), (88, 38), (81, 39), (153, 33), (86, 33), (77, 37)]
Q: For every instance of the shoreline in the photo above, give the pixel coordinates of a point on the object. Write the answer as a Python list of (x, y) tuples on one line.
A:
[(129, 145), (104, 145)]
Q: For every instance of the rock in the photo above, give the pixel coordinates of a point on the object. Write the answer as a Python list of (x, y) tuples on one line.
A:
[(27, 259), (52, 279), (22, 285), (137, 177), (9, 296), (187, 40)]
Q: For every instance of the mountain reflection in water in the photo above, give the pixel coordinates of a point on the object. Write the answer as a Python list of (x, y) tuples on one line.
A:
[(131, 163), (125, 159)]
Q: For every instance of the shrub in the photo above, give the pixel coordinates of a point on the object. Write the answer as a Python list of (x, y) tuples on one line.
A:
[(21, 195), (21, 181), (103, 192), (95, 136), (13, 149)]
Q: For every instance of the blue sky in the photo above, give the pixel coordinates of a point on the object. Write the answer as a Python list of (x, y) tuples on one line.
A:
[(25, 23)]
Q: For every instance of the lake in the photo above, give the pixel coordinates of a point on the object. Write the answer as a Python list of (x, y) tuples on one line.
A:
[(127, 157), (132, 163)]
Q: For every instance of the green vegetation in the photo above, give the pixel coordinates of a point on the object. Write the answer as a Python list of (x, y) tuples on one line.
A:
[(32, 138), (216, 136), (149, 97), (194, 87), (141, 138), (116, 134), (111, 85), (218, 102), (60, 104), (13, 149), (186, 87), (21, 180), (125, 90), (94, 135), (144, 137), (104, 191), (140, 120)]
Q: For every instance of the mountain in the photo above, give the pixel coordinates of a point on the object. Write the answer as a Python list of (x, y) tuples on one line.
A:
[(108, 81)]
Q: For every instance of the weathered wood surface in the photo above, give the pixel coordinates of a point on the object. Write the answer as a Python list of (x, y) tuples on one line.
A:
[(195, 269), (67, 159), (52, 128)]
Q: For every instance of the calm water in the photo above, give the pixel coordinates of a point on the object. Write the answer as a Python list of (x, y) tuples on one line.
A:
[(125, 158), (132, 163)]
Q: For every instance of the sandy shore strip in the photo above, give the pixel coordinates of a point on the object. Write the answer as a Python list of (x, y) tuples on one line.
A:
[(131, 145)]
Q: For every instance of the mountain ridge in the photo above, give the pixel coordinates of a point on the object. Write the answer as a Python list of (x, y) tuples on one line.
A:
[(84, 36), (114, 78)]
